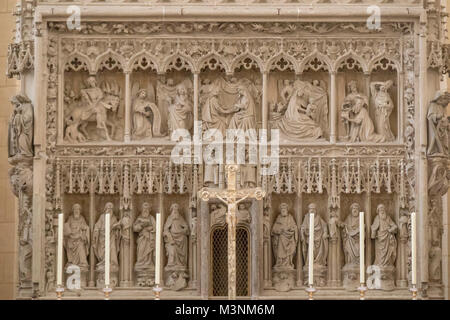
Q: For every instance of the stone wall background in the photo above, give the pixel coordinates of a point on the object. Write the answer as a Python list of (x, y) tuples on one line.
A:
[(8, 202), (8, 87)]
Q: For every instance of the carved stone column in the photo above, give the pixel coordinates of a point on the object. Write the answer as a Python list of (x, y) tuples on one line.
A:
[(127, 134), (265, 110), (196, 96), (205, 249), (91, 225), (333, 107)]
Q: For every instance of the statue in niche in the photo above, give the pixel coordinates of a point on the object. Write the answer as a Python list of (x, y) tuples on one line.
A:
[(350, 236), (438, 182), (436, 231), (176, 232), (94, 105), (244, 117), (98, 240), (248, 173), (214, 114), (305, 117), (26, 243), (320, 244), (383, 230), (211, 174), (383, 108), (181, 109), (77, 239), (348, 104), (438, 125), (145, 225), (284, 244), (21, 128), (124, 225), (284, 238), (218, 213), (146, 115), (361, 126), (243, 214)]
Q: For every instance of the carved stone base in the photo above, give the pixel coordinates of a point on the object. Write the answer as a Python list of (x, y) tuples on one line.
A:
[(145, 277), (350, 275), (176, 278), (114, 278), (387, 276), (435, 290), (283, 278), (320, 275)]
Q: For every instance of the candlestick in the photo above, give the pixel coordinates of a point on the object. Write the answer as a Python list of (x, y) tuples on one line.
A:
[(413, 249), (60, 249), (311, 290), (107, 248), (158, 250), (361, 248), (311, 250)]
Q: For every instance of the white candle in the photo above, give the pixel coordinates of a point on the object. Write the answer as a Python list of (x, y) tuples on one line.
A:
[(107, 248), (413, 249), (60, 249), (362, 235), (158, 249), (311, 250)]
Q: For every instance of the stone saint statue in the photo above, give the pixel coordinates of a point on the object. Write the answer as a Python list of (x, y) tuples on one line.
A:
[(350, 236), (383, 231), (320, 237), (21, 127), (77, 239), (146, 117), (243, 215), (383, 108), (176, 232), (145, 225), (284, 238), (99, 239), (180, 111), (438, 124)]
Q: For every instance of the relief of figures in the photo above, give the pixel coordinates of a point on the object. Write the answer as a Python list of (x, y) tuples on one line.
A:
[(305, 114), (180, 108), (320, 245), (146, 115), (175, 233), (98, 241), (229, 104), (384, 230), (145, 225), (383, 108), (96, 105), (438, 125)]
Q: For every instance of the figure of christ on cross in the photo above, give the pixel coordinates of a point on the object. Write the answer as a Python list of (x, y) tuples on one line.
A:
[(231, 197)]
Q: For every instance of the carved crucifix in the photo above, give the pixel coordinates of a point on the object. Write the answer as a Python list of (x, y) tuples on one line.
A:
[(231, 197)]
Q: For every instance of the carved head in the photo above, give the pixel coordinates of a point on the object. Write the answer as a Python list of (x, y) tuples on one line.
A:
[(142, 94), (174, 209), (91, 82), (312, 208), (284, 209), (355, 209), (381, 210), (385, 87), (76, 209), (242, 207), (352, 87), (109, 207), (146, 209)]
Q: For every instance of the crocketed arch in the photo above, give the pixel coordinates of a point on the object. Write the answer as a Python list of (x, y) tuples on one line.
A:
[(142, 61), (384, 63), (109, 60), (177, 62), (78, 62), (213, 61), (282, 62), (356, 61), (315, 61), (247, 61)]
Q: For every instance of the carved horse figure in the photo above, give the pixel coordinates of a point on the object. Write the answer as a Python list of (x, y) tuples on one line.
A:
[(96, 110)]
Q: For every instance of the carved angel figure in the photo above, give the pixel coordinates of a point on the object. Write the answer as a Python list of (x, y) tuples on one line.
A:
[(146, 115), (77, 238), (438, 125), (383, 108), (284, 238)]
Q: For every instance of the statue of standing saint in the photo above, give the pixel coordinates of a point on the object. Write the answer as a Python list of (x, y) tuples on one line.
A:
[(145, 225), (284, 238), (21, 128), (383, 108), (77, 239), (180, 111)]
